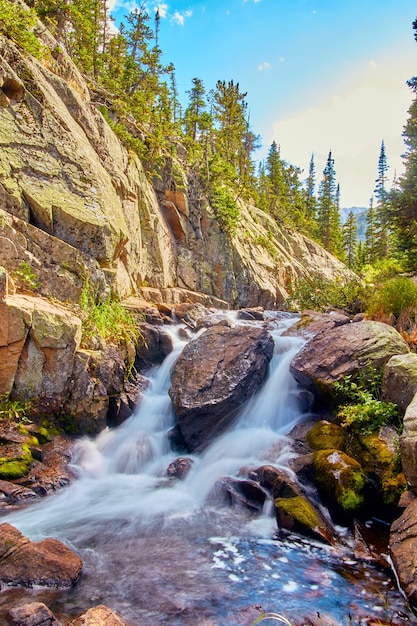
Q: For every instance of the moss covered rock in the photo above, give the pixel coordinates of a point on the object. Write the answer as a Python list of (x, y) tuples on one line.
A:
[(341, 481), (325, 436), (378, 454), (300, 515)]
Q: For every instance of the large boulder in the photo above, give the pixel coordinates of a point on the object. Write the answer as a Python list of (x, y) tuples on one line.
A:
[(214, 376), (345, 350), (24, 563), (399, 382), (403, 551)]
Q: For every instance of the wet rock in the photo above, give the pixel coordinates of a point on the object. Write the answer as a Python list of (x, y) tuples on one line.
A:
[(300, 515), (53, 472), (280, 484), (399, 381), (179, 468), (98, 616), (403, 551), (10, 493), (154, 345), (345, 350), (32, 614), (313, 323), (255, 313), (214, 376), (24, 563), (235, 492), (190, 313)]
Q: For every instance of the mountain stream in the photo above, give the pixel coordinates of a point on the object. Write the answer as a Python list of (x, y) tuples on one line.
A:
[(160, 551)]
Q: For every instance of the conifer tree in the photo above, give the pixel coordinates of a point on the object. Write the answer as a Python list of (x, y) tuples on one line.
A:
[(371, 234), (350, 236), (311, 203), (229, 115), (328, 218), (382, 213)]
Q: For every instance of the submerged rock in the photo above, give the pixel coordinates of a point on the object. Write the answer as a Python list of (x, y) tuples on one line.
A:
[(179, 468), (24, 563), (214, 376), (233, 491), (98, 616), (32, 614)]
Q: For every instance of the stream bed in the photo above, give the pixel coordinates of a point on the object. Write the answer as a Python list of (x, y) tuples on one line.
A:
[(160, 551)]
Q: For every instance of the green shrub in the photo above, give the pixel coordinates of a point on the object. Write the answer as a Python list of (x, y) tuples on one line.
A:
[(393, 298), (316, 293), (108, 318), (360, 410)]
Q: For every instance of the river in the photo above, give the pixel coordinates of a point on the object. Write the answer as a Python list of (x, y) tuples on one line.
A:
[(161, 551)]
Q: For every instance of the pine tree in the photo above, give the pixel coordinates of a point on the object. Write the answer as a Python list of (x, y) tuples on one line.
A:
[(195, 109), (371, 235), (311, 203), (326, 204), (382, 196), (350, 236), (229, 115)]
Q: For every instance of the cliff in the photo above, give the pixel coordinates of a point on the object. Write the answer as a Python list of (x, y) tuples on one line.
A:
[(74, 203)]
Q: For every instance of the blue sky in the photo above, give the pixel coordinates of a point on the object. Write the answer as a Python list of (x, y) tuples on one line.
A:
[(320, 75)]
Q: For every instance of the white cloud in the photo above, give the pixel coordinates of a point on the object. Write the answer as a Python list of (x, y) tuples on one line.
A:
[(162, 8), (370, 107), (179, 18), (264, 66)]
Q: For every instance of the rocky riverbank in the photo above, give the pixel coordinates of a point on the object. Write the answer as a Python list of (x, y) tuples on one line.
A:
[(356, 475)]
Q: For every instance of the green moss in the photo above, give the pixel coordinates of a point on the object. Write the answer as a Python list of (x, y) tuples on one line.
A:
[(300, 509), (341, 478), (16, 468), (325, 436)]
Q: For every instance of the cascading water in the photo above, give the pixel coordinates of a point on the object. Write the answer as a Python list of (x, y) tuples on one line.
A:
[(157, 552)]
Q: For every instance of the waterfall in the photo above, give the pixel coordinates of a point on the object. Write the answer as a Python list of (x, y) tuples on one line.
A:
[(159, 551), (122, 472)]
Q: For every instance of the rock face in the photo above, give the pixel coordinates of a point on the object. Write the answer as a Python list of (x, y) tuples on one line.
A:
[(213, 378), (344, 350), (75, 203), (38, 341), (24, 563)]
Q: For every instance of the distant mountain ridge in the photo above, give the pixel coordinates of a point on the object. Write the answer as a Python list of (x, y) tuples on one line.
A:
[(360, 214)]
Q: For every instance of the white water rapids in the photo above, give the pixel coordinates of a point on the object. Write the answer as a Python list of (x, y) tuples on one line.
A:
[(156, 551)]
